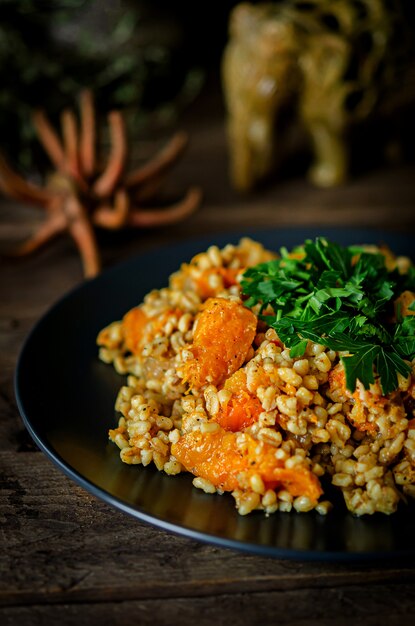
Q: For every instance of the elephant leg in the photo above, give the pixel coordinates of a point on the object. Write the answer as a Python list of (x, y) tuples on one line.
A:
[(251, 149), (240, 156), (330, 166), (260, 132)]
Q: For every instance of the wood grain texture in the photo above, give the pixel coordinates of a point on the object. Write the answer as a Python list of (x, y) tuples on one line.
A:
[(386, 604), (67, 557)]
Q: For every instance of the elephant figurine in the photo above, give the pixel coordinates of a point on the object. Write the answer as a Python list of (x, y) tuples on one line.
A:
[(328, 64)]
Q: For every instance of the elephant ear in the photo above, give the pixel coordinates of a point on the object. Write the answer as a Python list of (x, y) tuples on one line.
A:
[(279, 37), (324, 59), (243, 20), (270, 31)]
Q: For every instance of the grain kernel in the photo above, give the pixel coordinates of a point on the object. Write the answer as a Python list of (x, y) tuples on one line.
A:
[(310, 382)]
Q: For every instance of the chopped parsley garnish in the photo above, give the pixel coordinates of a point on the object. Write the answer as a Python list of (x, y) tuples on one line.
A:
[(340, 297)]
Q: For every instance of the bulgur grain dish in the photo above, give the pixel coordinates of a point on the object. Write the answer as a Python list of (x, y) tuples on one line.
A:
[(212, 389)]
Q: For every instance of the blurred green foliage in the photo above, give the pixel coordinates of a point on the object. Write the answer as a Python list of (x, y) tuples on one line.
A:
[(135, 56)]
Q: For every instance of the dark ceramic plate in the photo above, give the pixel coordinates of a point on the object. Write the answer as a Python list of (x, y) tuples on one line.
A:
[(66, 397)]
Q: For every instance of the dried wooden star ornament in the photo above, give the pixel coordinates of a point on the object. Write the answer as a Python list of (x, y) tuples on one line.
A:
[(80, 194)]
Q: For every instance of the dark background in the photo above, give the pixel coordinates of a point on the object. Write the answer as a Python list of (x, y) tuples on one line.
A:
[(153, 59)]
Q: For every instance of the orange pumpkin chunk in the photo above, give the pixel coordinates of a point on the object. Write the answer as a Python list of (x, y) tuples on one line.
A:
[(243, 408), (221, 458), (133, 325), (223, 335), (227, 274), (139, 329)]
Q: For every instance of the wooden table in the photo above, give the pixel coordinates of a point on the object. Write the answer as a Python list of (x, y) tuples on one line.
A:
[(67, 558)]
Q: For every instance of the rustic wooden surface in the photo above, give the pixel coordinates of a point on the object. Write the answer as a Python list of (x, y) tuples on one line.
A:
[(67, 557)]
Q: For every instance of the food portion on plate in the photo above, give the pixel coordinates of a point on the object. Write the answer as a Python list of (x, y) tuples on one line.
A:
[(271, 375)]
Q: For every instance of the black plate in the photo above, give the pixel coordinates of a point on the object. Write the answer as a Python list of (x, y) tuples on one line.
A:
[(66, 397)]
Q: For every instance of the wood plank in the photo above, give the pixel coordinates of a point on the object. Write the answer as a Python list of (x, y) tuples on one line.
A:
[(320, 607)]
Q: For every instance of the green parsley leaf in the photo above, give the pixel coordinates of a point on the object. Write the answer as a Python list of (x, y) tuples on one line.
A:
[(388, 364), (342, 298), (359, 366), (299, 348)]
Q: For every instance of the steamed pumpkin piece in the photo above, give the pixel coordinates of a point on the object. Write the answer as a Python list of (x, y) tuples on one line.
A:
[(225, 277), (223, 335), (404, 303), (242, 409), (129, 332), (133, 325), (222, 457), (138, 329)]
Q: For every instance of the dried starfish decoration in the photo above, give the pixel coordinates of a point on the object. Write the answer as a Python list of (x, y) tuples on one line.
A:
[(80, 195)]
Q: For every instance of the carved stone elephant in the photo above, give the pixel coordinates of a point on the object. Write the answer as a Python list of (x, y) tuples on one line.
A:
[(331, 63)]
